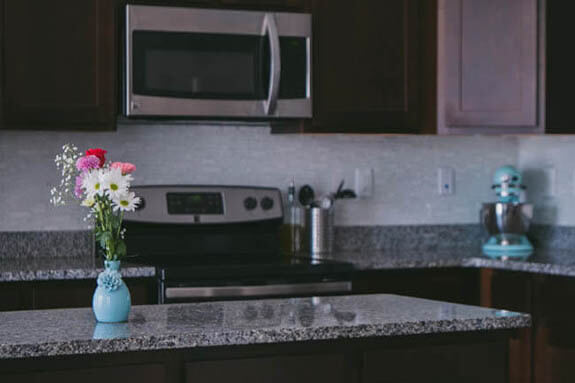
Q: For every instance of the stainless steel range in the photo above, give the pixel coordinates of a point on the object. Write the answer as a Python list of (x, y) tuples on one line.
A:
[(222, 242)]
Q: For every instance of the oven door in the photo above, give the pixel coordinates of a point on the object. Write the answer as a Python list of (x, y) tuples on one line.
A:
[(217, 63), (193, 294), (252, 287)]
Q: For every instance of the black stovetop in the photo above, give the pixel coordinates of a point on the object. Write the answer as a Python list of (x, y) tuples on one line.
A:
[(186, 267)]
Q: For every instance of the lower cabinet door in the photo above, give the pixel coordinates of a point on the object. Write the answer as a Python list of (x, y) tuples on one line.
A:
[(121, 374), (69, 294), (450, 285), (284, 369), (15, 296), (467, 363), (17, 378), (63, 294)]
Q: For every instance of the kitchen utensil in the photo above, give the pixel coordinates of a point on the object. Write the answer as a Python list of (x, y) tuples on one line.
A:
[(306, 195), (325, 202), (339, 189), (507, 220), (347, 194), (342, 193)]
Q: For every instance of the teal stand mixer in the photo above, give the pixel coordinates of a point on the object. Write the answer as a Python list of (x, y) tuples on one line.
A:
[(507, 220)]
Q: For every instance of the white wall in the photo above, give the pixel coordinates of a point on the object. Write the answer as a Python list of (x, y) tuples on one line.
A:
[(405, 169)]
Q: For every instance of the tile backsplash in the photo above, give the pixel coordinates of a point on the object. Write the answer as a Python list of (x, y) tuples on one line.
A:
[(548, 163), (405, 169)]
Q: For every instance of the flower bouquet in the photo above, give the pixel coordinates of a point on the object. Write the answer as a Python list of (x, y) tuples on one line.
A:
[(104, 189)]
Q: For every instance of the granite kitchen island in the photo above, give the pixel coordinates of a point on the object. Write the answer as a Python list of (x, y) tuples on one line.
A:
[(367, 338)]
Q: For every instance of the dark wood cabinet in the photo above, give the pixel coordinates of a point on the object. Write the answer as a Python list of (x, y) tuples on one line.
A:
[(449, 285), (456, 357), (281, 369), (281, 5), (59, 64), (560, 80), (60, 58), (490, 67), (63, 294), (264, 5), (66, 294), (514, 292), (554, 337), (115, 374), (16, 296), (366, 65), (544, 353), (437, 363)]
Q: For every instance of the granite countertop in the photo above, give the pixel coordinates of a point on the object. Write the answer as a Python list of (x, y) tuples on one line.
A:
[(74, 331), (550, 262), (47, 268)]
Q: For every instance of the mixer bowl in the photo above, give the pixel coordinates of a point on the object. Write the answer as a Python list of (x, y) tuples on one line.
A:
[(506, 218)]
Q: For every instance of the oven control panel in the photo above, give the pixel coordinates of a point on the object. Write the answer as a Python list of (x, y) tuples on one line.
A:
[(195, 203), (206, 204)]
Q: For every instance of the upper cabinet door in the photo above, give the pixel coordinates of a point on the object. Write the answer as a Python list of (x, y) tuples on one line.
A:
[(59, 64), (490, 67), (366, 65)]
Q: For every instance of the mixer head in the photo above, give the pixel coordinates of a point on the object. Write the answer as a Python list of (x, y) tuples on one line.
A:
[(507, 183)]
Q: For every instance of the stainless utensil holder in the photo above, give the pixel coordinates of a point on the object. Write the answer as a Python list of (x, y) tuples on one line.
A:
[(318, 231)]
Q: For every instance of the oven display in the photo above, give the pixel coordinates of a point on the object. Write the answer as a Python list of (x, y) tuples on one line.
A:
[(195, 203)]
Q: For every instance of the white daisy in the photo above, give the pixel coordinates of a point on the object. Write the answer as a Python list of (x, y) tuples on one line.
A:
[(92, 183), (115, 183), (126, 202)]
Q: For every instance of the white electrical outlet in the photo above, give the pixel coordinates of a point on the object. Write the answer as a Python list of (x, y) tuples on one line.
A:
[(446, 181), (364, 182)]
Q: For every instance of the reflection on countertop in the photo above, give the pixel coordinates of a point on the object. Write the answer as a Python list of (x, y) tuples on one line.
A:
[(74, 331)]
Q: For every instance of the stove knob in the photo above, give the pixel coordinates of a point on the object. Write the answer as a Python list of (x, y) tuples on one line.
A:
[(250, 203), (267, 203)]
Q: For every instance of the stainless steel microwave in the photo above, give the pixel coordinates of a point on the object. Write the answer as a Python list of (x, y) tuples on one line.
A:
[(217, 63)]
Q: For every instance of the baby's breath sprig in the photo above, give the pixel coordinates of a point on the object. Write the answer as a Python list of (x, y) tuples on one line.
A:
[(66, 163)]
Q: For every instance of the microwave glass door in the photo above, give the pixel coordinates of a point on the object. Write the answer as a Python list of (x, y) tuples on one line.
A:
[(200, 65), (215, 66)]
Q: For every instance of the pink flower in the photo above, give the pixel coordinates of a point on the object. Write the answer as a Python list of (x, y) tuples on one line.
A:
[(126, 167), (78, 191), (87, 163)]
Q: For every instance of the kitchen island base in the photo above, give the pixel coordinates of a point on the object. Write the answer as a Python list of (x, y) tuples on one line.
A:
[(453, 357)]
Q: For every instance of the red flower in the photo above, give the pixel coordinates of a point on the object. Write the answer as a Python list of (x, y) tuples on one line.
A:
[(100, 153)]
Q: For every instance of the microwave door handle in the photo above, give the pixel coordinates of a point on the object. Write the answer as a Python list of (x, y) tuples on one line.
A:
[(270, 28)]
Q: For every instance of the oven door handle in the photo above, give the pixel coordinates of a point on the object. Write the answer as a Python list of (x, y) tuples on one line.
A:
[(338, 287), (270, 28)]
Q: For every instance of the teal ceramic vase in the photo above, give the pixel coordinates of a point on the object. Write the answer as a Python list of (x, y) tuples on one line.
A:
[(111, 302)]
